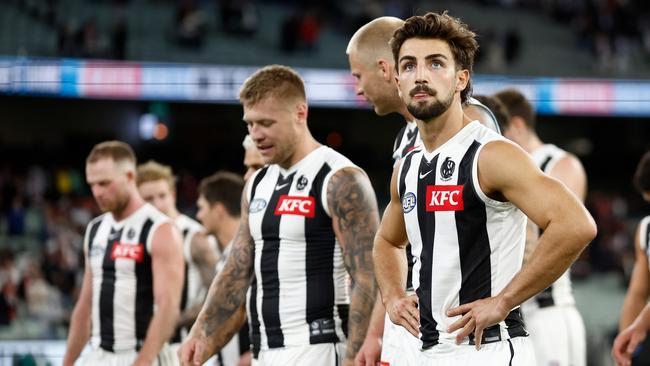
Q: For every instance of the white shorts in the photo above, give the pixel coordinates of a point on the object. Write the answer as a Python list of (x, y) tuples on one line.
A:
[(558, 336), (517, 351), (98, 356), (324, 354), (399, 347)]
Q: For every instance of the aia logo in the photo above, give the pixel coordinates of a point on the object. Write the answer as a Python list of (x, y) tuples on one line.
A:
[(445, 198), (447, 169), (296, 205), (127, 251)]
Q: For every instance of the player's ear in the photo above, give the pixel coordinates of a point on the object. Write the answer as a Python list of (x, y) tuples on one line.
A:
[(385, 69)]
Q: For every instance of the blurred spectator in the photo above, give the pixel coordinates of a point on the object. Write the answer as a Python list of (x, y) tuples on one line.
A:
[(239, 16)]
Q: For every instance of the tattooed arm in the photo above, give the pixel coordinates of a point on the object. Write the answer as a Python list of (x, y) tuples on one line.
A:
[(223, 312), (355, 219)]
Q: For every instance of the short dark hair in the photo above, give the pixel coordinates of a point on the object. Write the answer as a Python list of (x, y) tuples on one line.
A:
[(223, 187), (517, 105), (497, 108), (641, 178), (460, 39)]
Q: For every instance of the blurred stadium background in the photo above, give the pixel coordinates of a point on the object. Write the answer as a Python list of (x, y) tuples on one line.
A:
[(163, 76)]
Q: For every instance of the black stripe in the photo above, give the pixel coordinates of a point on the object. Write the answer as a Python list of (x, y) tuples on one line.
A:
[(410, 261), (427, 223), (473, 240), (185, 280), (244, 340), (336, 355), (406, 165), (91, 235), (512, 352), (144, 301), (412, 136), (320, 243), (254, 325), (269, 265), (107, 292), (398, 139), (344, 313), (545, 163)]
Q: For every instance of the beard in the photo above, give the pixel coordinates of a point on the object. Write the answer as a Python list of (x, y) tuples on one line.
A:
[(426, 112)]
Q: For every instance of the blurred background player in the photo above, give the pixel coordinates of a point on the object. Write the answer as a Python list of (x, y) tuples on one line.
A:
[(157, 186), (555, 325), (252, 158), (631, 323), (131, 290), (219, 212)]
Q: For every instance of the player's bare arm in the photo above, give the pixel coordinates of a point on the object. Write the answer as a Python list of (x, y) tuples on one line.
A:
[(391, 265), (205, 258), (571, 173), (223, 312), (567, 225), (80, 320), (167, 267), (355, 219), (639, 289)]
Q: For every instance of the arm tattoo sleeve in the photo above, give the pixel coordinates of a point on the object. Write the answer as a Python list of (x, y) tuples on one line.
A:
[(355, 219), (228, 290)]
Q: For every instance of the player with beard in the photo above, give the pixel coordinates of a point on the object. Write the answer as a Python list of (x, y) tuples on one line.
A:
[(461, 200)]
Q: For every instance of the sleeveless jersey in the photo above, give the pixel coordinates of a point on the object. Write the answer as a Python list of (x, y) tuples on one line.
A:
[(299, 292), (467, 246), (119, 254)]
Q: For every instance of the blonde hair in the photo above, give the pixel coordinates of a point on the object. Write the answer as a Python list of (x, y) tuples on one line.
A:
[(152, 171), (119, 151), (277, 81)]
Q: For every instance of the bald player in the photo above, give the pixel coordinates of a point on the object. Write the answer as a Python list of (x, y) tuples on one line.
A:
[(373, 66)]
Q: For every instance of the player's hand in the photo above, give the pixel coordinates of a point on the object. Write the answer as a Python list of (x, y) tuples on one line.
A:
[(404, 311), (370, 352), (193, 350), (625, 344), (476, 316)]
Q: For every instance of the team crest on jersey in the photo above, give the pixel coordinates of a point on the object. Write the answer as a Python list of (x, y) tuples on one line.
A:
[(447, 169), (408, 202), (444, 198), (127, 251), (296, 205), (256, 205), (302, 183), (130, 234)]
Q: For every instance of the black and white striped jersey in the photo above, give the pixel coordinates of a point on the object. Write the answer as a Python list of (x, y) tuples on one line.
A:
[(560, 292), (408, 138), (299, 293), (119, 254), (193, 289), (467, 245), (644, 235)]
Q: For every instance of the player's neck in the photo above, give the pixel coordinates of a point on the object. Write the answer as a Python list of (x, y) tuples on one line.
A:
[(305, 145), (134, 203), (533, 143), (439, 130), (173, 214), (404, 112), (227, 232)]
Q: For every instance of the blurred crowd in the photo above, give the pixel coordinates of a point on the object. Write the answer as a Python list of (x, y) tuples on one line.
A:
[(43, 216), (44, 212)]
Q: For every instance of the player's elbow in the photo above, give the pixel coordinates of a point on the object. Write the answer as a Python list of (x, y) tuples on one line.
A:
[(586, 232)]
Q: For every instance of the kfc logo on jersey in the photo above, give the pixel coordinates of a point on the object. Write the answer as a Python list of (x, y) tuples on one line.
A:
[(127, 251), (445, 198), (296, 205)]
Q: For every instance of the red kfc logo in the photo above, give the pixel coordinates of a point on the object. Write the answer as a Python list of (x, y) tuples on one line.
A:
[(445, 198), (128, 251), (296, 205)]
